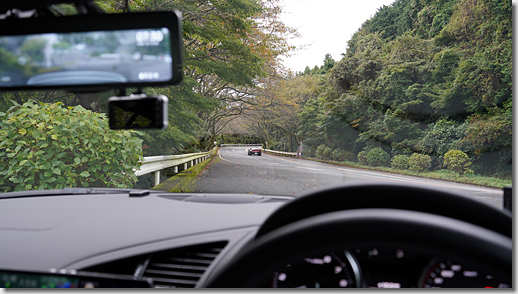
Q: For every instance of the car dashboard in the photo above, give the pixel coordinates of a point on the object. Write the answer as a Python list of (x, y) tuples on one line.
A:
[(170, 240)]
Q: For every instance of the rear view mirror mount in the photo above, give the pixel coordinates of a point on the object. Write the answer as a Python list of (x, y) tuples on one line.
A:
[(138, 111), (87, 53)]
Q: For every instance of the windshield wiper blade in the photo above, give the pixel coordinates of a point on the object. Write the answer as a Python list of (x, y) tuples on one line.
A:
[(69, 191)]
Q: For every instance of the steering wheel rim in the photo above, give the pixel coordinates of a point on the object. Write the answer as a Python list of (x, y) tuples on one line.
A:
[(405, 196), (442, 236)]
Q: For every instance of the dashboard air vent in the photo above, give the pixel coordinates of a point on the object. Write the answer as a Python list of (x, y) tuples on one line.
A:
[(174, 268), (183, 267)]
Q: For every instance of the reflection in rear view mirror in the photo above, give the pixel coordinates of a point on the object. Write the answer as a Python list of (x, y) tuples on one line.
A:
[(138, 112), (91, 53), (99, 57)]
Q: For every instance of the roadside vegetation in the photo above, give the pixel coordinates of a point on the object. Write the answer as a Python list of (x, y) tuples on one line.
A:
[(424, 88), (48, 146)]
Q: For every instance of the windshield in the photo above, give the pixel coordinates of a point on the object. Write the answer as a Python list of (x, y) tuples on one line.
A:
[(278, 98)]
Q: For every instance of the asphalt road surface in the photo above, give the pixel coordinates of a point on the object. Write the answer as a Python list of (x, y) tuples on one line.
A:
[(234, 171)]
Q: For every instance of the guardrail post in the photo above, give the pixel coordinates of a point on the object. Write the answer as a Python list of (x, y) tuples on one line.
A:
[(192, 163), (176, 169), (157, 177)]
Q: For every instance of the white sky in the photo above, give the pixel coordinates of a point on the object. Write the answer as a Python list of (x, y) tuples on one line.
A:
[(326, 26)]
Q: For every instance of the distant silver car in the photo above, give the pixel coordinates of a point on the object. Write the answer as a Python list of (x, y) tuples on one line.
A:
[(254, 150)]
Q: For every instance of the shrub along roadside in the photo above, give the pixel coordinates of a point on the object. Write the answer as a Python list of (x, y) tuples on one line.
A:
[(46, 146), (378, 157), (399, 162), (445, 175), (419, 162), (457, 161)]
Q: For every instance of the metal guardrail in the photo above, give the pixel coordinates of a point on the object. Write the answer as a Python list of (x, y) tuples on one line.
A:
[(154, 164), (281, 152), (241, 145)]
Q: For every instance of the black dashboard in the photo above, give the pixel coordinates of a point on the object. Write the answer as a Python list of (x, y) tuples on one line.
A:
[(229, 241), (365, 267)]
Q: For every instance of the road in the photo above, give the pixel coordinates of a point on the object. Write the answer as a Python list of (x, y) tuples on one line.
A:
[(236, 172)]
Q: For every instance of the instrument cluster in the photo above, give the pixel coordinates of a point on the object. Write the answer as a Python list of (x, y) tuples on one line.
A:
[(381, 268)]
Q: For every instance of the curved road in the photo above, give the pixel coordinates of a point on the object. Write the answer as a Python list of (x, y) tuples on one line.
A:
[(235, 172)]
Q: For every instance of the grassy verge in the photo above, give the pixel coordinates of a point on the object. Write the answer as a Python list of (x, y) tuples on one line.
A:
[(445, 175), (182, 182)]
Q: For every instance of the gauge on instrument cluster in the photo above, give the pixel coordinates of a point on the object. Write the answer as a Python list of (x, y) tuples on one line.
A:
[(333, 270), (447, 274)]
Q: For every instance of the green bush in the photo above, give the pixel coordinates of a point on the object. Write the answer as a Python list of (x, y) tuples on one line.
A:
[(378, 157), (46, 146), (399, 162), (362, 157), (320, 151), (419, 162), (457, 161), (323, 152), (309, 152), (327, 153), (342, 155), (337, 154)]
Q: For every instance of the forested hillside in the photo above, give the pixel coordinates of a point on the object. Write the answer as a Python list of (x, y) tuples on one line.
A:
[(420, 77)]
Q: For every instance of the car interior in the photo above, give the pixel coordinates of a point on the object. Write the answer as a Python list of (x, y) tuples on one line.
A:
[(366, 235)]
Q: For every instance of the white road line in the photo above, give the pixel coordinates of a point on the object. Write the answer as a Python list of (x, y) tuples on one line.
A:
[(219, 153), (306, 168)]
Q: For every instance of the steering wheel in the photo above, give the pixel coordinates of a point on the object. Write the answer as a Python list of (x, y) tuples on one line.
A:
[(452, 226)]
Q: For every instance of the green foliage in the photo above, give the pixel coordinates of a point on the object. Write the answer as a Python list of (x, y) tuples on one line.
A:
[(457, 161), (399, 162), (320, 150), (444, 135), (46, 146), (419, 162), (362, 157), (342, 155), (424, 77), (489, 133), (378, 157), (324, 152), (329, 63), (309, 151), (238, 139), (34, 48), (327, 153)]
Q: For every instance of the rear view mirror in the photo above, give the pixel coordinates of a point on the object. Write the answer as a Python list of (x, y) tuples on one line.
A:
[(138, 112), (92, 52)]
